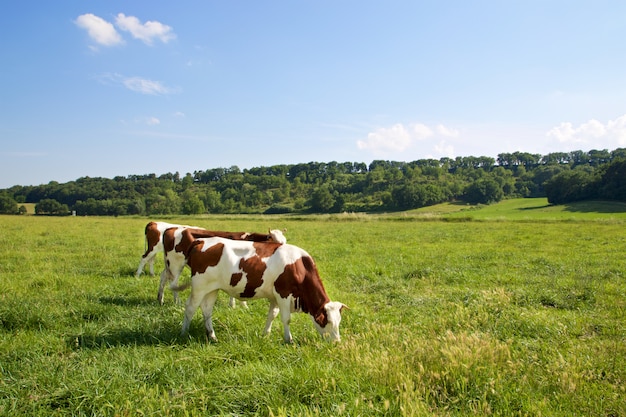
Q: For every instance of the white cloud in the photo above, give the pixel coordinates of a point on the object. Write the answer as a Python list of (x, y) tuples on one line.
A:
[(593, 132), (422, 131), (101, 31), (444, 148), (395, 138), (152, 121), (146, 32), (447, 132), (399, 138)]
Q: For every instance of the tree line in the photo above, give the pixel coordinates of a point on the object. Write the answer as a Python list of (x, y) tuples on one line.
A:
[(320, 187)]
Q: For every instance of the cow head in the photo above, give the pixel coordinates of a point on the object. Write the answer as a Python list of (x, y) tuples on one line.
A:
[(277, 236), (327, 322)]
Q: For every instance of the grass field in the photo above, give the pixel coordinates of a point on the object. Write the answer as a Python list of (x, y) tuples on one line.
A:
[(513, 309)]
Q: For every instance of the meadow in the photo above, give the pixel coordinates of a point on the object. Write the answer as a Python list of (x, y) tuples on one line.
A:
[(513, 309)]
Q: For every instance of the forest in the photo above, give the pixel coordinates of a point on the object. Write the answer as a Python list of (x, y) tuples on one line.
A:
[(327, 187)]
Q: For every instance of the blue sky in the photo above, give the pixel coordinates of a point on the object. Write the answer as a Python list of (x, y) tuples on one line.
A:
[(108, 88)]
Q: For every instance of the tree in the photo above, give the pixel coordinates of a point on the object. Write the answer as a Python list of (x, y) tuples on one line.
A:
[(7, 205), (613, 181), (52, 207), (322, 200), (569, 186), (483, 191), (192, 204)]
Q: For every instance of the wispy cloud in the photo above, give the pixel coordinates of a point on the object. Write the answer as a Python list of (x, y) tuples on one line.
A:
[(592, 132), (99, 30), (137, 84), (146, 32), (145, 86)]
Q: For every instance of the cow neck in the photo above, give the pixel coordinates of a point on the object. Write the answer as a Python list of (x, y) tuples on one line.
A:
[(305, 286)]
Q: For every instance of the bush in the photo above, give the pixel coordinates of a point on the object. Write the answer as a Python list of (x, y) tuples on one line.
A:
[(51, 207)]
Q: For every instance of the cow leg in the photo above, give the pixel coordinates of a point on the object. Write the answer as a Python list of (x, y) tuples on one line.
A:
[(193, 302), (151, 263), (233, 303), (271, 315), (142, 264), (147, 258), (207, 312), (174, 283), (285, 316), (164, 279)]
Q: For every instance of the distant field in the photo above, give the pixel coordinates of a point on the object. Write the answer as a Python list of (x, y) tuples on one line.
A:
[(512, 309), (529, 209)]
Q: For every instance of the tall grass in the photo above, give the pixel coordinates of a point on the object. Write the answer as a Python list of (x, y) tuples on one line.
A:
[(446, 318)]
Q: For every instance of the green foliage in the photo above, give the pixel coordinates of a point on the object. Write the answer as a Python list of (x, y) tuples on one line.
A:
[(8, 205), (613, 181), (484, 191), (446, 318), (51, 207), (349, 186)]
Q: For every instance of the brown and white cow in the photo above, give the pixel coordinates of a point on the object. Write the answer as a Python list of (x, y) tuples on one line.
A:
[(154, 244), (178, 240), (284, 274)]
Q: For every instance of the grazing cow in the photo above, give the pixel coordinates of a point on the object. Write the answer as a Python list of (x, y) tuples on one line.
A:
[(284, 274), (154, 244), (177, 240)]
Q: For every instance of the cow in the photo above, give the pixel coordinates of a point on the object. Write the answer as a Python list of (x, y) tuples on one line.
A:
[(154, 244), (177, 240), (284, 274)]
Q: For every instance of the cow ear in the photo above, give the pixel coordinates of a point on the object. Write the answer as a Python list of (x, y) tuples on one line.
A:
[(321, 319), (339, 306)]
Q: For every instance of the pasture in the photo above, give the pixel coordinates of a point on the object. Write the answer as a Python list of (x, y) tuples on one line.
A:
[(502, 316)]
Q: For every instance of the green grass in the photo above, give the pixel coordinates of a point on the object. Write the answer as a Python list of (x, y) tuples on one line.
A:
[(531, 209), (506, 315)]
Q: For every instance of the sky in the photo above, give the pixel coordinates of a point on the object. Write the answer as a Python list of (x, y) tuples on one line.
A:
[(107, 88)]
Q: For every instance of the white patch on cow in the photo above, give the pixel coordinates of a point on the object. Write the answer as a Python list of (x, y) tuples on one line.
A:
[(333, 314)]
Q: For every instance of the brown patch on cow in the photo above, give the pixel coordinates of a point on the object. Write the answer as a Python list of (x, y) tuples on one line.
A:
[(254, 267), (188, 236), (265, 249), (153, 237), (257, 237), (235, 278), (199, 260), (301, 280), (169, 239)]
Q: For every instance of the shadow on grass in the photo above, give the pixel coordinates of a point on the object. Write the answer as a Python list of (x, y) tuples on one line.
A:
[(122, 301), (542, 206), (596, 207), (126, 337)]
